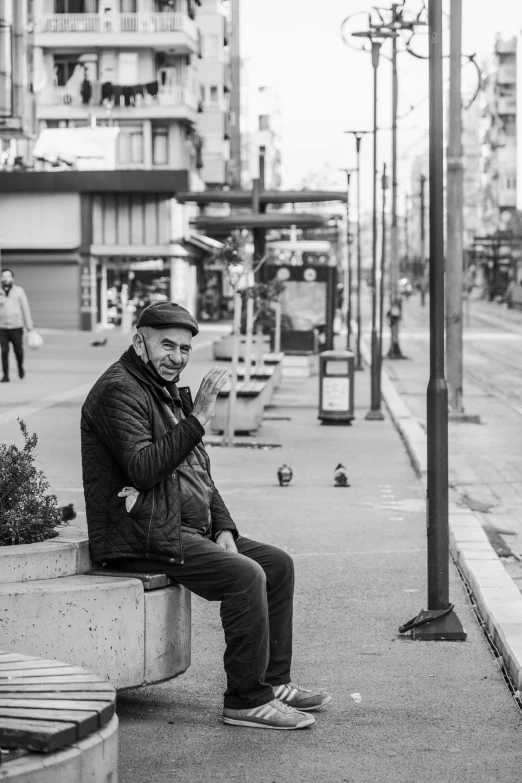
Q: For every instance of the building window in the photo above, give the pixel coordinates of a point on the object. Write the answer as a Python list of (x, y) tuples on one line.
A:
[(160, 145), (81, 66), (214, 94), (130, 144), (75, 6), (264, 122)]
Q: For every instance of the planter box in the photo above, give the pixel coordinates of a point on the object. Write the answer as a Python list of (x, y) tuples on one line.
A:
[(275, 360), (50, 607), (300, 366), (249, 408), (263, 374), (223, 348)]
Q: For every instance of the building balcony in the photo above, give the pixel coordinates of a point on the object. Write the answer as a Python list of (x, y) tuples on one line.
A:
[(507, 73), (163, 30), (147, 101)]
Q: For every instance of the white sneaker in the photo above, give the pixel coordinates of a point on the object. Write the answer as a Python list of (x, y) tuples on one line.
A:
[(273, 715), (300, 698)]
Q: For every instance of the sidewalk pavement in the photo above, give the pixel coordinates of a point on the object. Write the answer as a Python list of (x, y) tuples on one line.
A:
[(484, 470), (429, 711)]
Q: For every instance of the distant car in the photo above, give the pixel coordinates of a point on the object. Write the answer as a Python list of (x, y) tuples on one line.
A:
[(405, 286)]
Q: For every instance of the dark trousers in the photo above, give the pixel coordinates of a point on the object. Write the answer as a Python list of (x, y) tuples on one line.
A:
[(256, 589), (14, 336)]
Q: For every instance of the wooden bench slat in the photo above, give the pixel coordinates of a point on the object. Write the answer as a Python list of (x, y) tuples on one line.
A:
[(42, 736), (85, 722), (71, 678), (53, 671), (98, 697), (21, 665), (6, 657), (38, 686), (104, 710)]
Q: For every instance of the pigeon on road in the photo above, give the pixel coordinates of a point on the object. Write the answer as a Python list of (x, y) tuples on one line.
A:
[(284, 474)]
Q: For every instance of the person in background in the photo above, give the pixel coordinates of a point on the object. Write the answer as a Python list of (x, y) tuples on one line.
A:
[(15, 315)]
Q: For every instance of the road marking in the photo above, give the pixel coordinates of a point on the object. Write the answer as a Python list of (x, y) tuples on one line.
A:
[(55, 399)]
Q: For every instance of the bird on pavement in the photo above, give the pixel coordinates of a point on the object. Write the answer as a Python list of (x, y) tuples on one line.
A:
[(97, 343), (341, 476), (67, 512), (284, 474)]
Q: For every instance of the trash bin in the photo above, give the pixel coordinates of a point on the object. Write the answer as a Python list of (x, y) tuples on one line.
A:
[(336, 381)]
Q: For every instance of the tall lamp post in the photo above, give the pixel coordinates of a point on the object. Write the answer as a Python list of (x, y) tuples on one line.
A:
[(377, 37), (348, 272), (358, 135), (439, 622)]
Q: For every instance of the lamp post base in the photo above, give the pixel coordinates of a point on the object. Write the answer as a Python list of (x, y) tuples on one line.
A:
[(395, 352), (436, 625), (374, 416)]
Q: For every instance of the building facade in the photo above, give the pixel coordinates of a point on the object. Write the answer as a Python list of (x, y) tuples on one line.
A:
[(261, 130), (215, 85), (130, 64)]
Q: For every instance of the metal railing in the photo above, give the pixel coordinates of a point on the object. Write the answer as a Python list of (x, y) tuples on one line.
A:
[(116, 23), (168, 95)]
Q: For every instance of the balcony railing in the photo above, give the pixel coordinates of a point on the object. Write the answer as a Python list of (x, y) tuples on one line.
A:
[(113, 97), (114, 23)]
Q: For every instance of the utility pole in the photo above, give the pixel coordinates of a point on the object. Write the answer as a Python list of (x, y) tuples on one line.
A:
[(358, 135), (439, 622), (375, 413), (384, 187), (348, 275), (423, 228), (395, 350), (455, 228)]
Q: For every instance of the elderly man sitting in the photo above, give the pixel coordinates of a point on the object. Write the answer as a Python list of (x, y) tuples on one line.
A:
[(152, 505)]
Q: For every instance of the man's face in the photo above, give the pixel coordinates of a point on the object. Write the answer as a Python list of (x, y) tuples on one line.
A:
[(7, 279), (167, 349)]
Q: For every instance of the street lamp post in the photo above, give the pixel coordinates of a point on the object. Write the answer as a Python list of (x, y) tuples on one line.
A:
[(358, 135), (384, 187), (348, 272), (439, 622)]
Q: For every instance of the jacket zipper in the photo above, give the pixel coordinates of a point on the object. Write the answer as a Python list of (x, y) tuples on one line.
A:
[(151, 515)]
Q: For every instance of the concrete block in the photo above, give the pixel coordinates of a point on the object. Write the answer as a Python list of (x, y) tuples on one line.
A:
[(248, 412), (468, 533), (92, 760), (298, 366), (95, 622), (167, 633), (44, 560)]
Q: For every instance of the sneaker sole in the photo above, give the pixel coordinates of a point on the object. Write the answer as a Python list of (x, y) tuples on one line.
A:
[(310, 709), (255, 725)]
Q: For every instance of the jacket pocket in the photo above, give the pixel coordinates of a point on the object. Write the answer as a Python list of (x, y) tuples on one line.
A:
[(143, 506)]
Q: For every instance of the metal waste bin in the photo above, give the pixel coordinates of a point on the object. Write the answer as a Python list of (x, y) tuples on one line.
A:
[(336, 382)]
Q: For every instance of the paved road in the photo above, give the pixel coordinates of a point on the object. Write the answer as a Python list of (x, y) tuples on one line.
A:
[(429, 711), (485, 462)]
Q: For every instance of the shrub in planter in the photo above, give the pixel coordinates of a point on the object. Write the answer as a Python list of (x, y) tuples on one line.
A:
[(27, 513)]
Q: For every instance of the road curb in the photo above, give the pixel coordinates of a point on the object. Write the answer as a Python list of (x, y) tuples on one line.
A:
[(497, 598)]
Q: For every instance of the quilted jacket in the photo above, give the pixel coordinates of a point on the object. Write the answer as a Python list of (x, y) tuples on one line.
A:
[(130, 438)]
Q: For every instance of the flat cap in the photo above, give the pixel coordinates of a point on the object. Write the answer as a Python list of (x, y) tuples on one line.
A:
[(163, 315)]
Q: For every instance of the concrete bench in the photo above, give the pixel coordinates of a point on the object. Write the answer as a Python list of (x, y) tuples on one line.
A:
[(250, 404), (50, 607), (261, 374), (57, 722)]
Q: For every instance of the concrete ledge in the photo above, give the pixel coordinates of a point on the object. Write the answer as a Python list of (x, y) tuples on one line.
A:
[(106, 624), (295, 366), (65, 555), (497, 597), (92, 760)]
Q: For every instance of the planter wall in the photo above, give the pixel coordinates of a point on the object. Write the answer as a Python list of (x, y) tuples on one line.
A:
[(250, 404), (223, 348), (51, 608)]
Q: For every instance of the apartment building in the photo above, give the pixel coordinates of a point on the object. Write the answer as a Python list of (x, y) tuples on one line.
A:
[(215, 84), (130, 64), (261, 129), (499, 144)]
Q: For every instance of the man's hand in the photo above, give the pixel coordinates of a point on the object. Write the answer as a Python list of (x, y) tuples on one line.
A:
[(205, 402), (225, 540)]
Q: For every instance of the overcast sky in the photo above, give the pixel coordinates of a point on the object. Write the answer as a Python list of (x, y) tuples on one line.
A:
[(325, 87)]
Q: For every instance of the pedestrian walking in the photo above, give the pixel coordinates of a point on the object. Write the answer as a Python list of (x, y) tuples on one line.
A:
[(152, 505), (15, 315)]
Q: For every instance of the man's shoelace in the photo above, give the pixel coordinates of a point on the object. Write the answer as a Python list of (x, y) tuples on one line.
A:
[(282, 706)]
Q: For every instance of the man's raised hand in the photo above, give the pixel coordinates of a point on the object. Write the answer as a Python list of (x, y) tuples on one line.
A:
[(205, 402)]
